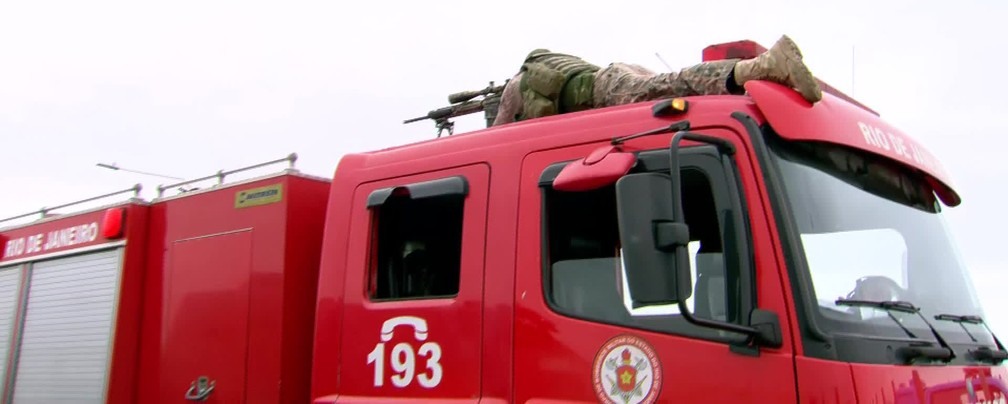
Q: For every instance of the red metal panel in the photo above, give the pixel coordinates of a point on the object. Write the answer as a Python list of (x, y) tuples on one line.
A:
[(266, 292), (555, 355), (53, 236), (824, 382), (207, 315), (284, 243), (499, 290), (124, 375), (332, 272), (834, 121), (926, 384), (152, 296), (503, 150), (305, 213), (439, 337)]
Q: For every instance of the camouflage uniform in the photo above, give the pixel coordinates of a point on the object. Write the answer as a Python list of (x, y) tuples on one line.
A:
[(622, 83), (616, 84), (553, 83)]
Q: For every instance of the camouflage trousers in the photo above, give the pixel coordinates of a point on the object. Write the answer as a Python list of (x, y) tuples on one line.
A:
[(623, 83)]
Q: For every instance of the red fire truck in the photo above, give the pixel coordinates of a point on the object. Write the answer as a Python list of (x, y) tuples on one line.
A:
[(751, 248)]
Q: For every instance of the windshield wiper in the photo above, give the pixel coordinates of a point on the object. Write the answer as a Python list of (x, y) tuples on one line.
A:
[(907, 354), (897, 305), (887, 306), (982, 354)]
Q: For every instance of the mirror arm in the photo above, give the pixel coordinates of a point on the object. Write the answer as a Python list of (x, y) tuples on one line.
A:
[(760, 337), (724, 146), (750, 331)]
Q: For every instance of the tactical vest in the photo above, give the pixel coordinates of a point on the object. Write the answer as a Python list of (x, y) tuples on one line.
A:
[(554, 83)]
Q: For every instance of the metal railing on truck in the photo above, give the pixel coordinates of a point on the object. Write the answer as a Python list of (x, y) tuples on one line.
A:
[(292, 158), (44, 211), (220, 175)]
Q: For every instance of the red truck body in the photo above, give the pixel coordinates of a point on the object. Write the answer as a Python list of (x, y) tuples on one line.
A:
[(231, 291), (471, 268), (107, 247), (204, 286)]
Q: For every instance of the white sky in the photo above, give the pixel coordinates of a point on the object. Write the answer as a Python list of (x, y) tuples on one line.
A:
[(189, 88)]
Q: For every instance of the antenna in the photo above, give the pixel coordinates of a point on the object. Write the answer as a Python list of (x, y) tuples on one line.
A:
[(114, 167), (852, 56), (663, 61)]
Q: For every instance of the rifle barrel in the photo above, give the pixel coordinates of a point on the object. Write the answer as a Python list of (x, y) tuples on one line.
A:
[(451, 111)]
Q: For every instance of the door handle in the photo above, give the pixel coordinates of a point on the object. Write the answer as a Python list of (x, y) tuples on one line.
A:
[(200, 389)]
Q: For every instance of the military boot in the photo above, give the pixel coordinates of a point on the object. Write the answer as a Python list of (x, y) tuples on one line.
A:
[(781, 64)]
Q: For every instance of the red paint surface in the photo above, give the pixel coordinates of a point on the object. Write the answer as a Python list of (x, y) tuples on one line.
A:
[(207, 315), (306, 210), (561, 350), (530, 353), (279, 278), (452, 324), (834, 121), (126, 354), (938, 385), (603, 167), (824, 382), (53, 235)]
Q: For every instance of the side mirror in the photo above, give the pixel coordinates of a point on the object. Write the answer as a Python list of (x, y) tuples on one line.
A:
[(654, 244), (601, 168)]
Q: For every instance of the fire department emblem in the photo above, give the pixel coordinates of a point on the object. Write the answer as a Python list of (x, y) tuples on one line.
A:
[(627, 371)]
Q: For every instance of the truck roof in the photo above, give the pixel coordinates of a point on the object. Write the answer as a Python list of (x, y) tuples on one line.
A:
[(833, 120), (574, 128)]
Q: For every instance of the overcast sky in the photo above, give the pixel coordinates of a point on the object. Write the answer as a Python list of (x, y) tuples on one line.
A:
[(189, 88)]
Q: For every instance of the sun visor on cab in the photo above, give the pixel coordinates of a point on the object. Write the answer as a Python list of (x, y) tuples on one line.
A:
[(834, 120)]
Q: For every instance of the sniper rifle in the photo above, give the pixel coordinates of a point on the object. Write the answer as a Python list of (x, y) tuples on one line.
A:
[(465, 103)]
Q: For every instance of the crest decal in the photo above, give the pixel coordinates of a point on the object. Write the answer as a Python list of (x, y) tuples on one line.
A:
[(627, 371)]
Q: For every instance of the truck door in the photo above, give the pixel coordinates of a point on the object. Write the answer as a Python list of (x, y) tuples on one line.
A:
[(207, 319), (578, 337), (414, 286)]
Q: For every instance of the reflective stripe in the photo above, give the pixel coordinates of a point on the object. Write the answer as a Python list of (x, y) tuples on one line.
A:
[(66, 339)]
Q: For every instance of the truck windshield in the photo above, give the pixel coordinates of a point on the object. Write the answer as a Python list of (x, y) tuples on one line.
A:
[(872, 230)]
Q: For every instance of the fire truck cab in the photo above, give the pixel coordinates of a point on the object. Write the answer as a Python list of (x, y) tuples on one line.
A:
[(793, 253), (751, 248)]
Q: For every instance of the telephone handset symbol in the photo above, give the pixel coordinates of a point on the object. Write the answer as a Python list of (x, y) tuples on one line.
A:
[(418, 324), (403, 357)]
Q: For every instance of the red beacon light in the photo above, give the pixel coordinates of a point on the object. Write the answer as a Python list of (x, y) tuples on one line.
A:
[(113, 223)]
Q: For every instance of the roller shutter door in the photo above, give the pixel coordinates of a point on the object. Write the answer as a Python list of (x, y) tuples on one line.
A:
[(66, 337), (10, 279)]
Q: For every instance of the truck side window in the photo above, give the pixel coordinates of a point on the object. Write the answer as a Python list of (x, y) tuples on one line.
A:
[(416, 247), (584, 272)]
